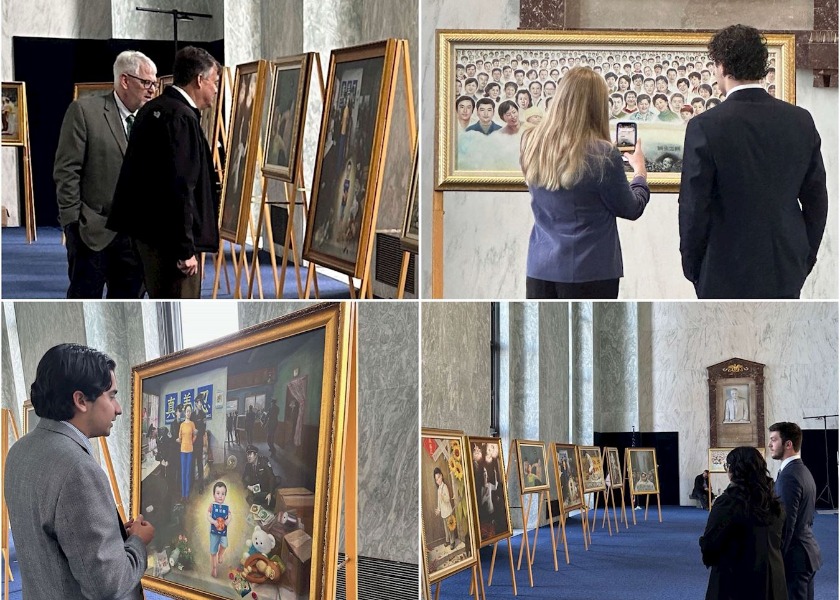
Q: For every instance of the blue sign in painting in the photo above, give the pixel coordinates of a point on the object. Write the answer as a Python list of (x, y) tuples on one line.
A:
[(187, 397), (170, 401), (204, 395)]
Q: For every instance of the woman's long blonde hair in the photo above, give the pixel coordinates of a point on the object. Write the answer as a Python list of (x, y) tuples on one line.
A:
[(559, 151)]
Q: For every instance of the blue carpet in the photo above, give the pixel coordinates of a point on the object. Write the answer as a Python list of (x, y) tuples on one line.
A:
[(651, 560), (39, 270)]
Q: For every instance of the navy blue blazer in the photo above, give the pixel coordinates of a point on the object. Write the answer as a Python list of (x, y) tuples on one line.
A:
[(753, 199), (798, 492), (575, 236)]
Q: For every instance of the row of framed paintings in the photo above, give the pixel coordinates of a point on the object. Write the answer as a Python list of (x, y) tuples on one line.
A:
[(464, 489)]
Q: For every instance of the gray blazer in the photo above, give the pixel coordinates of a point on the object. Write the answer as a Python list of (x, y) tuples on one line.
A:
[(65, 524), (90, 153)]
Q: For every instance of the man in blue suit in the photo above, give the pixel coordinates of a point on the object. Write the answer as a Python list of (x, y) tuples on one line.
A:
[(797, 491)]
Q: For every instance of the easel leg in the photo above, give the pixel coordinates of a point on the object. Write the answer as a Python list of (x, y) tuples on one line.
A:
[(492, 565), (270, 235), (351, 475), (524, 545), (403, 275), (512, 571), (437, 591), (437, 245), (256, 236), (633, 507), (659, 508), (551, 529), (647, 503), (220, 253)]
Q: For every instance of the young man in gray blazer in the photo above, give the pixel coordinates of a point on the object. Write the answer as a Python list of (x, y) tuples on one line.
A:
[(70, 540), (91, 146), (797, 491)]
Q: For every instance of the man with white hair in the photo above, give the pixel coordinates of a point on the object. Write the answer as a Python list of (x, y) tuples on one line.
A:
[(91, 146)]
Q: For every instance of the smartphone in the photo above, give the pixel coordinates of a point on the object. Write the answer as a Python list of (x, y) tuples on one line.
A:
[(625, 136)]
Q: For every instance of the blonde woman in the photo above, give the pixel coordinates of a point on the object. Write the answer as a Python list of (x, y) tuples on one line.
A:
[(578, 188)]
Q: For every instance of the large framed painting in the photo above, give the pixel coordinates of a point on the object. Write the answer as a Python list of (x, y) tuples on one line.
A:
[(591, 469), (243, 142), (448, 536), (533, 473), (736, 403), (568, 475), (489, 490), (351, 156), (252, 517), (614, 467), (82, 90), (14, 114), (642, 471), (410, 238), (287, 115), (656, 79)]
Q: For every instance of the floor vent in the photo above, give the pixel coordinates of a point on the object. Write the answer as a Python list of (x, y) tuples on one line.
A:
[(389, 255), (383, 580)]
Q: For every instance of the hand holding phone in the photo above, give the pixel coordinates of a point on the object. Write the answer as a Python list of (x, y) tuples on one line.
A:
[(625, 136)]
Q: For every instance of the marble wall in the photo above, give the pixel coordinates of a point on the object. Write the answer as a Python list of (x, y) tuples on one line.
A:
[(131, 24), (388, 418), (483, 230)]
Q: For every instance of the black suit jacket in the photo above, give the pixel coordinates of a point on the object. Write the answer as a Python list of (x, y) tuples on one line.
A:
[(167, 194), (747, 165), (798, 492), (745, 556)]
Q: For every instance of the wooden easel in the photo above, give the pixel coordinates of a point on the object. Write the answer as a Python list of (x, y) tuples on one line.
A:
[(7, 425), (584, 514), (493, 564), (406, 259), (474, 582), (220, 139), (616, 483), (542, 495), (109, 468), (365, 289), (291, 191), (633, 496), (596, 496)]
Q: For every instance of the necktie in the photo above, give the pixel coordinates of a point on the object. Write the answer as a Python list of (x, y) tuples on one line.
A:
[(129, 122)]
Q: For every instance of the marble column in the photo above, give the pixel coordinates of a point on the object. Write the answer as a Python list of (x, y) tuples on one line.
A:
[(616, 405), (583, 373)]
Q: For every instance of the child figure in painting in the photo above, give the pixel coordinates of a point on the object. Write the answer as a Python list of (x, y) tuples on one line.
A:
[(218, 514), (444, 509)]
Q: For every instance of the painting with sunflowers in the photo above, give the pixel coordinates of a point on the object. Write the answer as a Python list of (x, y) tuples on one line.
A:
[(449, 542)]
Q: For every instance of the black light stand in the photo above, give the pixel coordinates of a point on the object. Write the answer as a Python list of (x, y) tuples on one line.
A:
[(177, 15), (826, 491)]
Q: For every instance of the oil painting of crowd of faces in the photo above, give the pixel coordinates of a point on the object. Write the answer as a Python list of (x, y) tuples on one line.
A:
[(228, 470), (497, 91)]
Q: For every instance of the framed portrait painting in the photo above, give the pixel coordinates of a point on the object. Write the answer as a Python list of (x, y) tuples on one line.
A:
[(656, 79), (533, 473), (82, 90), (642, 471), (410, 238), (30, 419), (243, 140), (14, 114), (736, 403), (351, 153), (614, 467), (488, 482), (591, 468), (287, 114), (251, 515), (448, 538), (568, 475)]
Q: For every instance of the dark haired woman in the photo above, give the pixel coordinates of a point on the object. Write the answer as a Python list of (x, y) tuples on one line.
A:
[(743, 538)]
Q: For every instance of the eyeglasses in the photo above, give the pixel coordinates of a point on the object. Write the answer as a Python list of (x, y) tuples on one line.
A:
[(144, 82)]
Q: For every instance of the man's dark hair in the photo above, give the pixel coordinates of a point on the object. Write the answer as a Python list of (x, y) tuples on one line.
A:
[(661, 78), (190, 62), (506, 106), (705, 86), (64, 369), (641, 97), (637, 76), (789, 432), (462, 98), (658, 96), (485, 100), (219, 484), (470, 80), (742, 51)]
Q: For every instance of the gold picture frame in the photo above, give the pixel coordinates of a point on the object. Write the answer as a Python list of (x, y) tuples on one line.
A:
[(534, 476), (640, 463), (14, 114), (410, 238), (442, 452), (484, 162), (491, 505), (591, 469), (351, 156), (290, 81), (83, 90), (613, 459), (30, 419), (243, 142), (567, 475), (301, 360)]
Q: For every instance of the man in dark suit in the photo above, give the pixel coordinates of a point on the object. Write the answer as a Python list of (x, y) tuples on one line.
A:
[(167, 196), (797, 491), (90, 152), (701, 489), (753, 200), (70, 540)]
